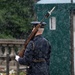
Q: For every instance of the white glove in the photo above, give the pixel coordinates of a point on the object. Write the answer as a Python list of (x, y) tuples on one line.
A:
[(17, 57)]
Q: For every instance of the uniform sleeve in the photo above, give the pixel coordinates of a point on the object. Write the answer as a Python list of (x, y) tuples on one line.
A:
[(48, 54), (28, 55)]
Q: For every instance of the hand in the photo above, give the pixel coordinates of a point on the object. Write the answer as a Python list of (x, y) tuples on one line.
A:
[(17, 57)]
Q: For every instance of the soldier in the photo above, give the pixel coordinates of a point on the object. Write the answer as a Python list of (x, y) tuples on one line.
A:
[(37, 53)]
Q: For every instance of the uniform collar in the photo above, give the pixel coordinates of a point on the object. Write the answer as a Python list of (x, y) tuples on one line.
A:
[(37, 36)]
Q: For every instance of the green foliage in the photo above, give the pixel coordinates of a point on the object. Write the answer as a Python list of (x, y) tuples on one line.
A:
[(22, 73), (3, 36), (15, 18)]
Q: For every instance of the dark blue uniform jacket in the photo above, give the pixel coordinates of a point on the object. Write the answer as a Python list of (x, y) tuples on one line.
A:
[(37, 56)]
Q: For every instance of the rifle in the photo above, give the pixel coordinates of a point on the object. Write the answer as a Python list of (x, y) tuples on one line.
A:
[(21, 52)]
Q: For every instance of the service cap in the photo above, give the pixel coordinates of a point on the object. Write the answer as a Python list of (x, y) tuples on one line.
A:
[(35, 23)]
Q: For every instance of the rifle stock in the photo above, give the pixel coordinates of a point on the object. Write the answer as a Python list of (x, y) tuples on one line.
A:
[(21, 52)]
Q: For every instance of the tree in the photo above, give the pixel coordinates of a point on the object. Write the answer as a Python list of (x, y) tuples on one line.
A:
[(15, 18)]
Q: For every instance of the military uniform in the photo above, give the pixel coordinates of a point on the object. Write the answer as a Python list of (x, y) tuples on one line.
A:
[(37, 56)]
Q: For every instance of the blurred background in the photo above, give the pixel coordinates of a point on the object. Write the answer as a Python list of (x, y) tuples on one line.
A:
[(15, 18)]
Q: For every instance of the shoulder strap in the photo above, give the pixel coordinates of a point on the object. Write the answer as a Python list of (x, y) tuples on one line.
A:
[(33, 45)]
